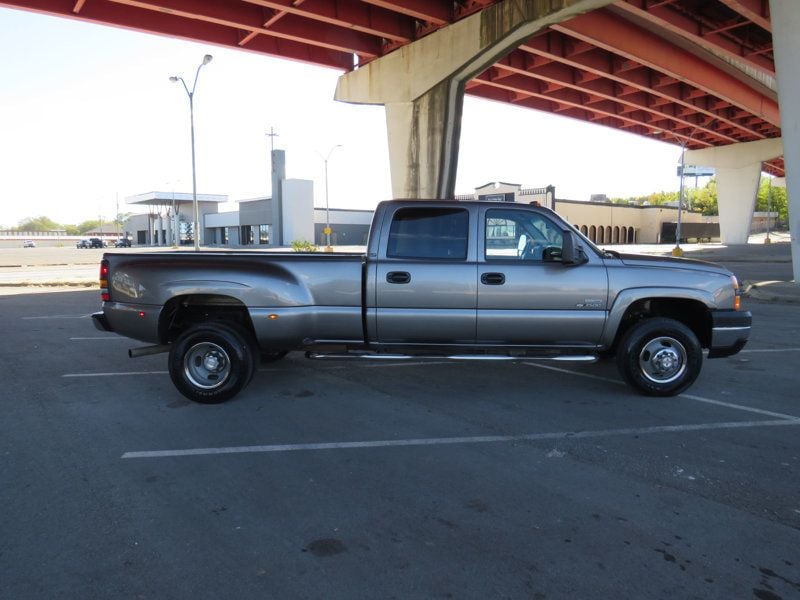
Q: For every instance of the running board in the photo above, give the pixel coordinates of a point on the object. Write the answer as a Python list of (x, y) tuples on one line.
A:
[(580, 358)]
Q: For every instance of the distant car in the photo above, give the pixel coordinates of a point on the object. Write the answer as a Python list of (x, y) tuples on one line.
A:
[(96, 242), (83, 244), (29, 244), (123, 243)]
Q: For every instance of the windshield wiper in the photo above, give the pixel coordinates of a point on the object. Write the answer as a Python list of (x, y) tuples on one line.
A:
[(613, 253)]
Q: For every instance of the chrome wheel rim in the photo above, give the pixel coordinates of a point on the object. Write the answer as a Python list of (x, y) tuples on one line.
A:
[(662, 360), (206, 365)]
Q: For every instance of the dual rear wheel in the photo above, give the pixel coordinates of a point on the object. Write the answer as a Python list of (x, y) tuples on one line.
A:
[(211, 362)]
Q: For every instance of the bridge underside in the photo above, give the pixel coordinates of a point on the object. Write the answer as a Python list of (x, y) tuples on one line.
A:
[(700, 74)]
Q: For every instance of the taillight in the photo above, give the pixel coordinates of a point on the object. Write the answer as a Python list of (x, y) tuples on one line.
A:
[(737, 298), (104, 280)]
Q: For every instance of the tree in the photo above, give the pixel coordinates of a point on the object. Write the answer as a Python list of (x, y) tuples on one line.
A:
[(41, 223), (88, 225), (779, 202), (704, 199)]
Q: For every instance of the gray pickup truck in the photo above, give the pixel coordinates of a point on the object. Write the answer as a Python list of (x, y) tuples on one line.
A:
[(462, 280)]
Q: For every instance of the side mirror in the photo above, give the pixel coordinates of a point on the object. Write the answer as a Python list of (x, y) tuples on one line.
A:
[(571, 252)]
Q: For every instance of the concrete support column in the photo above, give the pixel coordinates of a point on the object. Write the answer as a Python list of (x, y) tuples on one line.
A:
[(738, 169), (422, 87), (785, 24), (423, 142), (736, 198), (160, 230)]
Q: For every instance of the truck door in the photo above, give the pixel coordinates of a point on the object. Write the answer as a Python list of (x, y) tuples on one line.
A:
[(526, 296), (425, 279)]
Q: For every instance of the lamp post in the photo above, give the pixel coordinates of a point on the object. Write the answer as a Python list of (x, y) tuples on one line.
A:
[(328, 247), (767, 240), (175, 78), (677, 250)]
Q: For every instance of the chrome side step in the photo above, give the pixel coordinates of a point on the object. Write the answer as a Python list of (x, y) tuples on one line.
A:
[(579, 358)]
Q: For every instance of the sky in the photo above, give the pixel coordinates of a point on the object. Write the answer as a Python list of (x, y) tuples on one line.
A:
[(88, 117)]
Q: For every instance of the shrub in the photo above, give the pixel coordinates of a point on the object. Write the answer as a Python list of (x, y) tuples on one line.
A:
[(303, 246)]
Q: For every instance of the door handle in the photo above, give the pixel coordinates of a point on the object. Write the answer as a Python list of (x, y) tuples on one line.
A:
[(493, 279), (398, 277)]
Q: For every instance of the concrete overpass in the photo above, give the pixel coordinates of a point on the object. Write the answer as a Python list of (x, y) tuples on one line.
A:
[(716, 76)]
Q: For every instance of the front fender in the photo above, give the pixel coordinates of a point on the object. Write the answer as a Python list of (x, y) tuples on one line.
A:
[(624, 299)]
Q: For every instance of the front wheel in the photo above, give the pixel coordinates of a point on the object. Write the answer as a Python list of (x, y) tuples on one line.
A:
[(659, 357), (212, 362)]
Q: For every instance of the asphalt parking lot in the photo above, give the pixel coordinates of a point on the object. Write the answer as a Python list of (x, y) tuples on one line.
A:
[(342, 480)]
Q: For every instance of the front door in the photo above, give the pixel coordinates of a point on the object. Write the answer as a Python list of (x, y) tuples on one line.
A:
[(526, 296)]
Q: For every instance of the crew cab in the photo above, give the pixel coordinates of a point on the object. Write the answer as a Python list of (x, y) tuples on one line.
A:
[(463, 280)]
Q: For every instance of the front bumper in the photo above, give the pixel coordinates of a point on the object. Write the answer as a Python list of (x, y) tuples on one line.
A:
[(730, 330)]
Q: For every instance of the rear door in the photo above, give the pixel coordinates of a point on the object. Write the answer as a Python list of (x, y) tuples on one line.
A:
[(526, 295), (425, 279)]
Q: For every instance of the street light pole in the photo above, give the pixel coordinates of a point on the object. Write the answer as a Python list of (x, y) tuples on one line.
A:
[(196, 226), (767, 240), (677, 251), (328, 247)]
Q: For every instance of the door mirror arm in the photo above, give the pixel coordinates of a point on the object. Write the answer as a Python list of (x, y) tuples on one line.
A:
[(571, 250)]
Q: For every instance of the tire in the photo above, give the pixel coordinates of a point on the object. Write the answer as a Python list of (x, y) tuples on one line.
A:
[(212, 362), (659, 357), (269, 356)]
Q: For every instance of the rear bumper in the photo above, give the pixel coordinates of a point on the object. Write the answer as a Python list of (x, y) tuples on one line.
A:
[(100, 321), (730, 330)]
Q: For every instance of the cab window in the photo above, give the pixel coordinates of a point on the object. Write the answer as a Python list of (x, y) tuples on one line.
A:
[(439, 233), (521, 235)]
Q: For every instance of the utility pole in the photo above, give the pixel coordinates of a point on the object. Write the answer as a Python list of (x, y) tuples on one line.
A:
[(272, 135)]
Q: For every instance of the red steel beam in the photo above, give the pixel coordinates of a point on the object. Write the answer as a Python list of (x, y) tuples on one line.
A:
[(596, 105), (606, 89), (117, 15), (249, 18), (579, 113), (350, 14), (439, 12), (601, 63), (756, 11), (603, 30), (690, 29)]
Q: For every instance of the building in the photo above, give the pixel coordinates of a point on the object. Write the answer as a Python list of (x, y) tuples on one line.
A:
[(169, 218)]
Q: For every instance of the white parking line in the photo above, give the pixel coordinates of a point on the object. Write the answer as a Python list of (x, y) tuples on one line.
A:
[(57, 317), (754, 350), (115, 374), (562, 435), (750, 409)]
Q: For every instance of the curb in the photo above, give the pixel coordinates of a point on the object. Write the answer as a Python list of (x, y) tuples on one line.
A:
[(38, 284), (764, 294)]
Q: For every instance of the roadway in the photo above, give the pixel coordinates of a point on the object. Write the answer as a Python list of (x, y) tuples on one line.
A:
[(343, 480)]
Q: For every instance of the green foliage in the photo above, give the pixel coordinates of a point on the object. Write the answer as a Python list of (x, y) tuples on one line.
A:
[(704, 199), (303, 246), (654, 199), (88, 225), (37, 224), (72, 229), (779, 202)]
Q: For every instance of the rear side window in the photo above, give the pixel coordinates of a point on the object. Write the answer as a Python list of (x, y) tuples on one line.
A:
[(429, 233)]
